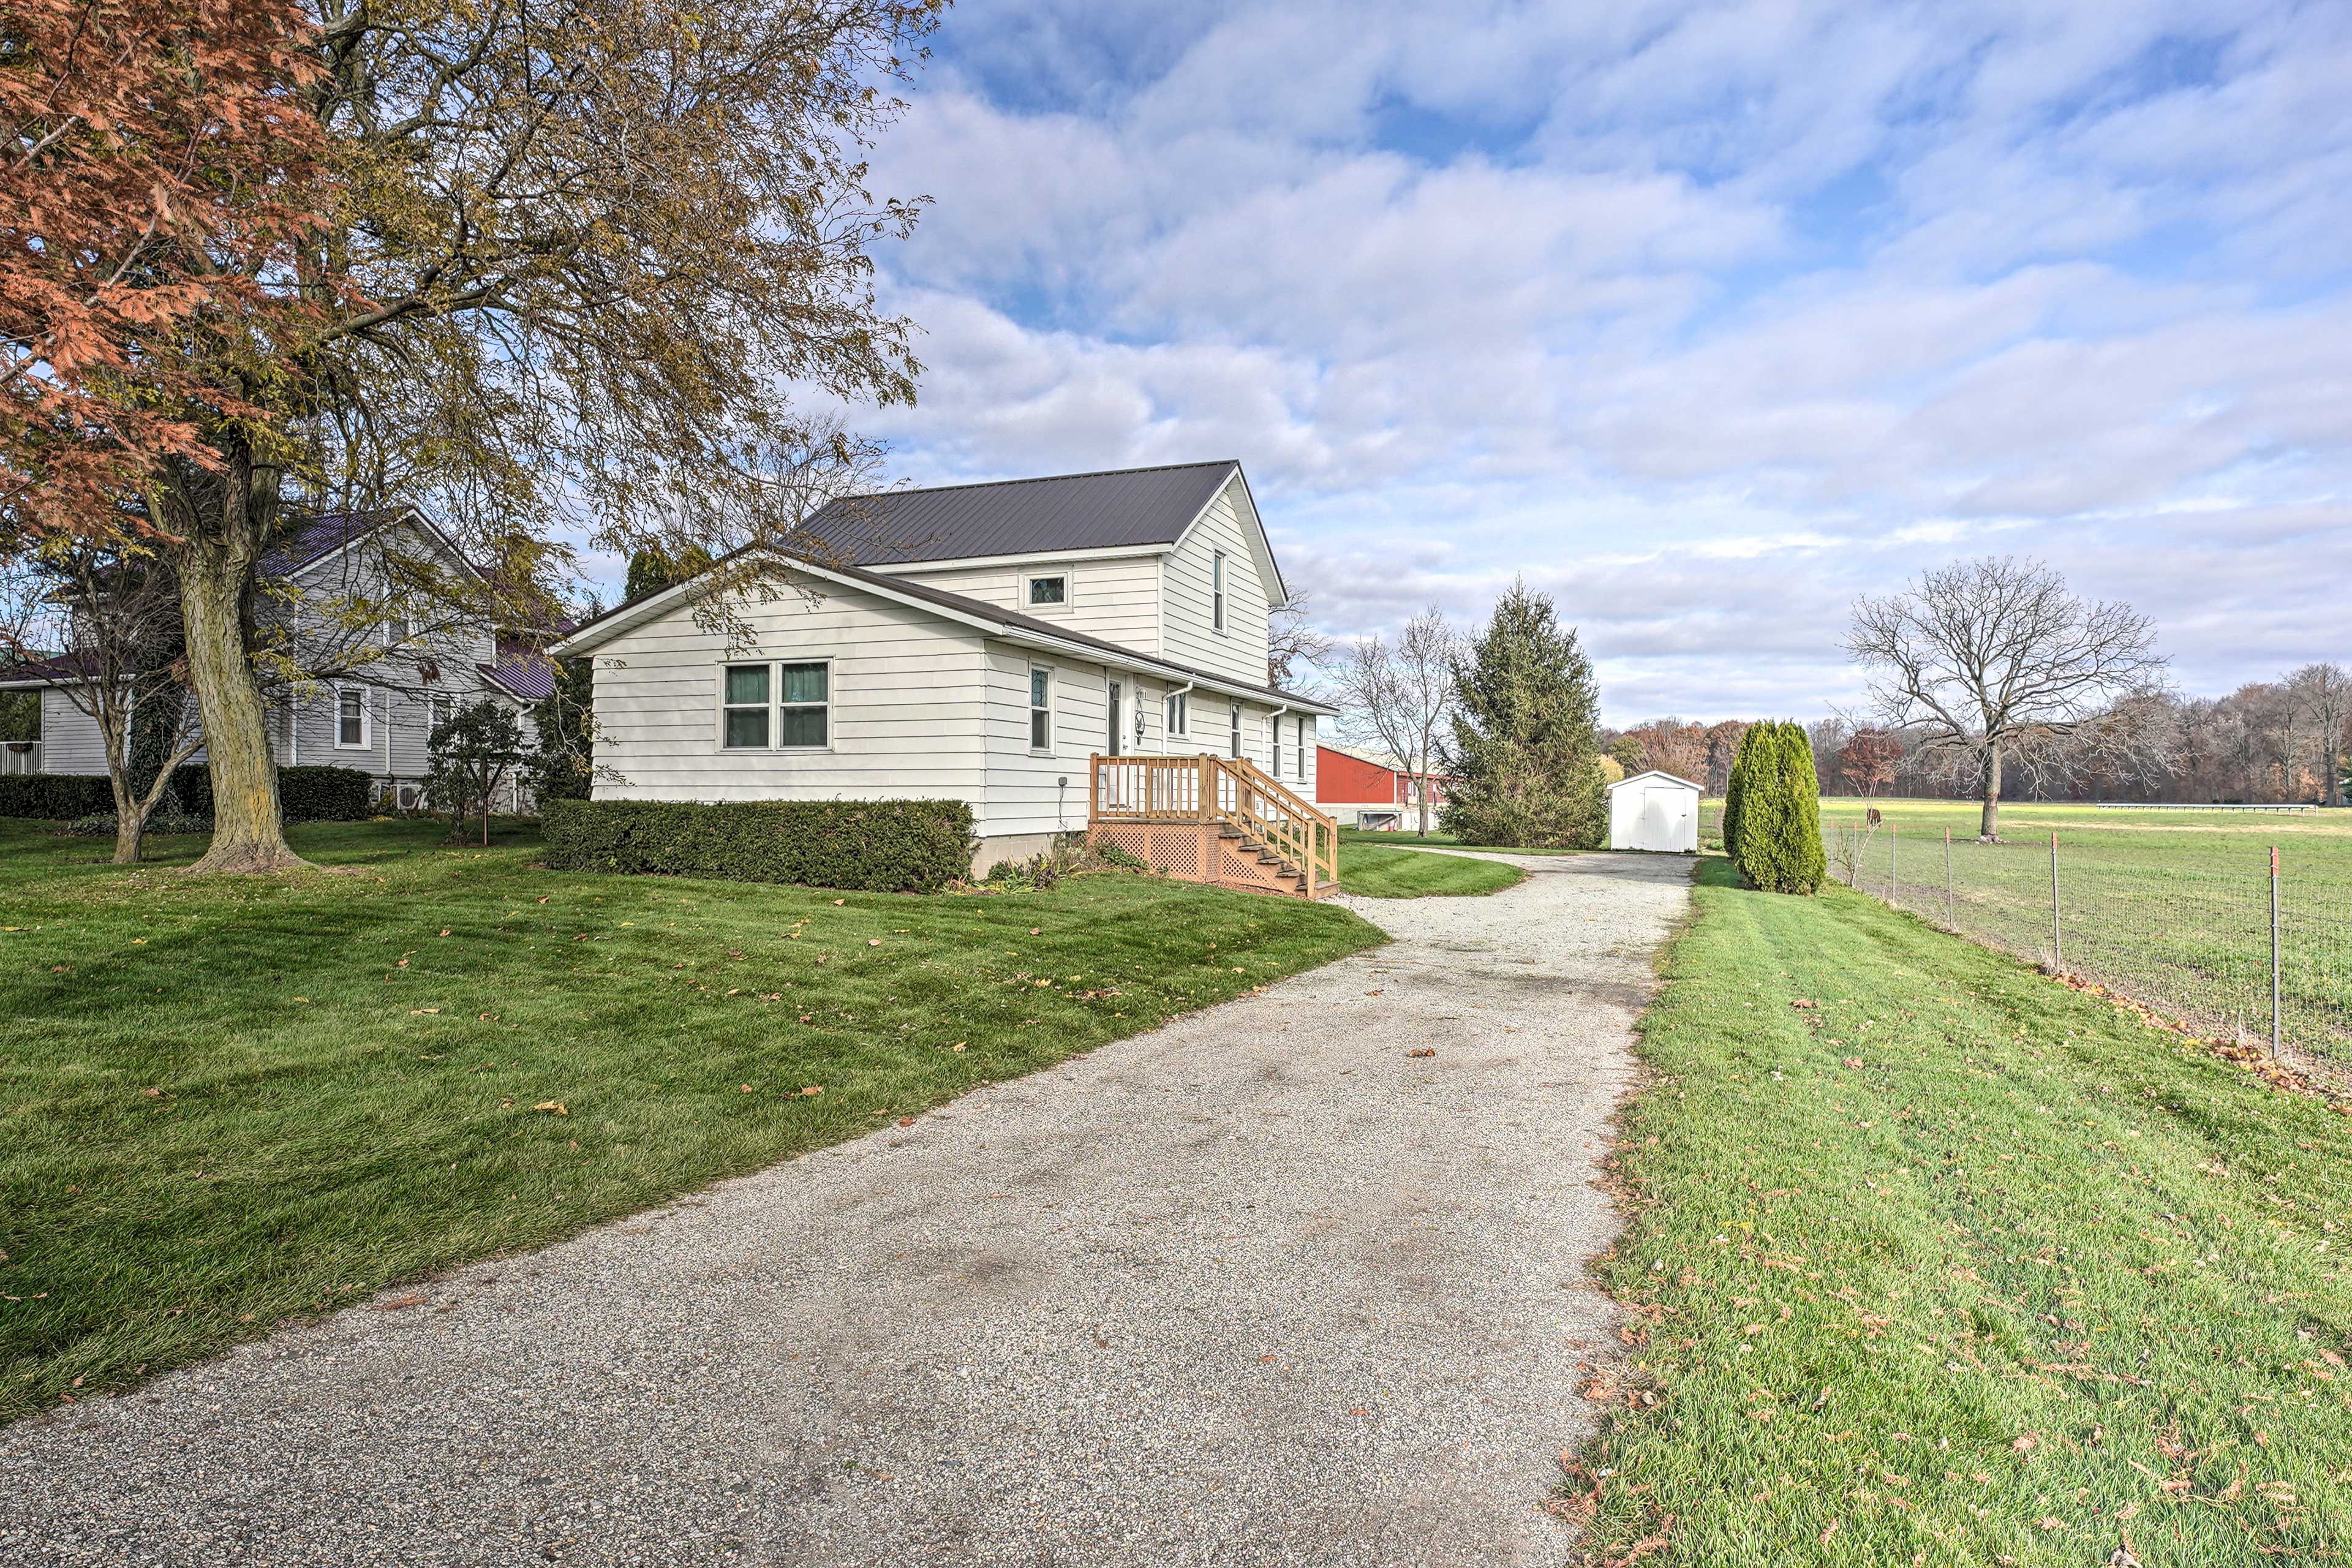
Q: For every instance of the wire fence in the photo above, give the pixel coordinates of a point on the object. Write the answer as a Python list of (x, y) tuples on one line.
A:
[(2265, 955)]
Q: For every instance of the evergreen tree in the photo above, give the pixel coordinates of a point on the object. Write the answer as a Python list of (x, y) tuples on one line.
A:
[(654, 567), (1779, 822), (1735, 789), (1525, 760)]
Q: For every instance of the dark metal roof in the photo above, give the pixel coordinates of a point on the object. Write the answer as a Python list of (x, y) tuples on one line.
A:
[(979, 609), (1120, 507)]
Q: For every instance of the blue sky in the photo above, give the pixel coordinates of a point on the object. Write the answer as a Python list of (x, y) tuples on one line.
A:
[(1704, 318)]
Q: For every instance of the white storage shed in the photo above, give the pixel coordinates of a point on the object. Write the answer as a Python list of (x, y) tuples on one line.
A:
[(1654, 811)]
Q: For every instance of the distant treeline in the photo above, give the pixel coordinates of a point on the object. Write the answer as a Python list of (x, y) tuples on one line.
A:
[(2268, 741)]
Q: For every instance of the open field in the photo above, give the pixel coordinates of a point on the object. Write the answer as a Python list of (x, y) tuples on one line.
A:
[(2313, 843), (222, 1104), (1938, 1261), (1394, 872), (2171, 907)]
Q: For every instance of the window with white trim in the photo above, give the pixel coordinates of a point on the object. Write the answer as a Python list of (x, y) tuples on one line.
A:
[(1176, 717), (352, 718), (439, 708), (1048, 590), (1217, 590), (744, 707), (1237, 729), (1041, 709), (803, 700), (776, 707), (1302, 747)]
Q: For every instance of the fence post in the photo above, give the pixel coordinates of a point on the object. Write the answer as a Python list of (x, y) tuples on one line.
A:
[(2274, 953), (1947, 877), (2057, 952)]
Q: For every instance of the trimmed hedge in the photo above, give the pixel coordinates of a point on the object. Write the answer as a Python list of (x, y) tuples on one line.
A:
[(313, 793), (57, 798), (304, 793), (869, 845)]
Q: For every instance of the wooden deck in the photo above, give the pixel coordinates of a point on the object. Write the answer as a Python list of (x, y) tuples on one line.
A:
[(1220, 820)]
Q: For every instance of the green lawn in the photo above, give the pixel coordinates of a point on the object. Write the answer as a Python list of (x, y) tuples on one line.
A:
[(1960, 1266), (225, 1104), (1383, 871), (1408, 839)]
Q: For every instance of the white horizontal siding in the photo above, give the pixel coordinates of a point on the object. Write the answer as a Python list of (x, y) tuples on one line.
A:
[(1191, 637), (1115, 598), (1029, 792), (71, 741), (907, 697)]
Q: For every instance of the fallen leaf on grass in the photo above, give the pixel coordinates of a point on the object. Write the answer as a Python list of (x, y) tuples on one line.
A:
[(420, 1012), (744, 1088), (557, 1106), (1802, 1002), (1850, 1062), (814, 1088), (873, 942)]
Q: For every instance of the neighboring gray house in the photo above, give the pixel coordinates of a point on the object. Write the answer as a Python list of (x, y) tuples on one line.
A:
[(406, 672), (975, 642)]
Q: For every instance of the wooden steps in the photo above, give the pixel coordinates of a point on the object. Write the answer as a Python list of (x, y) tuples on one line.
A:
[(1214, 820)]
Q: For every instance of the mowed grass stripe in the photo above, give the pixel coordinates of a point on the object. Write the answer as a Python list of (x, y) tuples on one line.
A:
[(2033, 1283), (1377, 871), (226, 1104)]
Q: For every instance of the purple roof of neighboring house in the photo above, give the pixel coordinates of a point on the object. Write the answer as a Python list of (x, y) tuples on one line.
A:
[(52, 671), (308, 538), (528, 676)]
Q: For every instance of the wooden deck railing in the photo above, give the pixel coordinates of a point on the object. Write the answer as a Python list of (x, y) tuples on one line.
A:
[(1229, 790)]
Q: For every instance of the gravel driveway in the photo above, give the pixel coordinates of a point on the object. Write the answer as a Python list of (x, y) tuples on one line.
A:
[(1258, 1288)]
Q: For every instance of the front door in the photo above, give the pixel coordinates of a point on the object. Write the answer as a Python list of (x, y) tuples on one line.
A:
[(1114, 718)]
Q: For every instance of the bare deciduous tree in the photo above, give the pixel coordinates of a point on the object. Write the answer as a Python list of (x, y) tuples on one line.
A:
[(1983, 658), (1292, 646), (1402, 694), (2323, 692)]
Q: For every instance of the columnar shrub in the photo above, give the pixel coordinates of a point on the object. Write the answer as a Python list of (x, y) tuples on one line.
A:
[(1735, 788), (1780, 823), (874, 845)]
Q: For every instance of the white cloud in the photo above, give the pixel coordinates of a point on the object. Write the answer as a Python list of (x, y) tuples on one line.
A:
[(1702, 317)]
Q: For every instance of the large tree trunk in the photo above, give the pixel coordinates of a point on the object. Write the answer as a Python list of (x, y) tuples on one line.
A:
[(215, 605), (1988, 827)]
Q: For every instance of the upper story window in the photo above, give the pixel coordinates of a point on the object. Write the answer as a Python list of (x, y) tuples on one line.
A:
[(1176, 725), (776, 706), (1048, 590), (1041, 709), (351, 717), (1217, 590), (439, 708)]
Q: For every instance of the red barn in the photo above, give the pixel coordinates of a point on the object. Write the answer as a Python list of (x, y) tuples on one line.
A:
[(1368, 790)]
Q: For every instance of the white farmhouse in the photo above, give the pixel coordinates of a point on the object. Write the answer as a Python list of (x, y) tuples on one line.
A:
[(1044, 650), (1654, 811)]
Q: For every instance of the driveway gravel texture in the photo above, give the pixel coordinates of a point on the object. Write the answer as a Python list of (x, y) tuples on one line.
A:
[(1260, 1286)]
